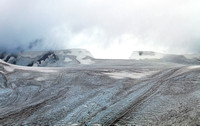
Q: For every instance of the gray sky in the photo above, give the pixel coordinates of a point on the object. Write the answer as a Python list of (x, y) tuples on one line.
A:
[(107, 28)]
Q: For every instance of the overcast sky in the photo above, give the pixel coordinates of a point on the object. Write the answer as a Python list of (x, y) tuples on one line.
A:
[(107, 28)]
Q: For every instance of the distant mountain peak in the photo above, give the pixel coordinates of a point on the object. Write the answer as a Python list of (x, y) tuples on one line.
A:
[(58, 58)]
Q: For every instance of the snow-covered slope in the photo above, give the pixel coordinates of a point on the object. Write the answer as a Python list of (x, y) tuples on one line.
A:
[(153, 56), (49, 58), (112, 92)]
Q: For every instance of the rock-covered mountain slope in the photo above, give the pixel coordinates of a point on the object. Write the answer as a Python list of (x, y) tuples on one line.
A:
[(59, 58), (110, 92)]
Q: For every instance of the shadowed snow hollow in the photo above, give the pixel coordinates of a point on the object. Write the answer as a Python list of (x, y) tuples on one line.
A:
[(50, 58)]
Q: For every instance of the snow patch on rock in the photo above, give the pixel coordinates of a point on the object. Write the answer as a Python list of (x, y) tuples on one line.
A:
[(67, 59), (81, 56)]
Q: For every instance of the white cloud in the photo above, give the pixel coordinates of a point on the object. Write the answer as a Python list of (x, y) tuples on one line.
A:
[(109, 29)]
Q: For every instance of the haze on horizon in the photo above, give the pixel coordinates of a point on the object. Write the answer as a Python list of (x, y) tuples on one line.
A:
[(108, 29)]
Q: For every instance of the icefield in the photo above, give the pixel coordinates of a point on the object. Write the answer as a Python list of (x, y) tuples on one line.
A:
[(76, 89)]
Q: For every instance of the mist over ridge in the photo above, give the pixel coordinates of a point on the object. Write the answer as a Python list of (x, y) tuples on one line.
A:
[(104, 28)]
